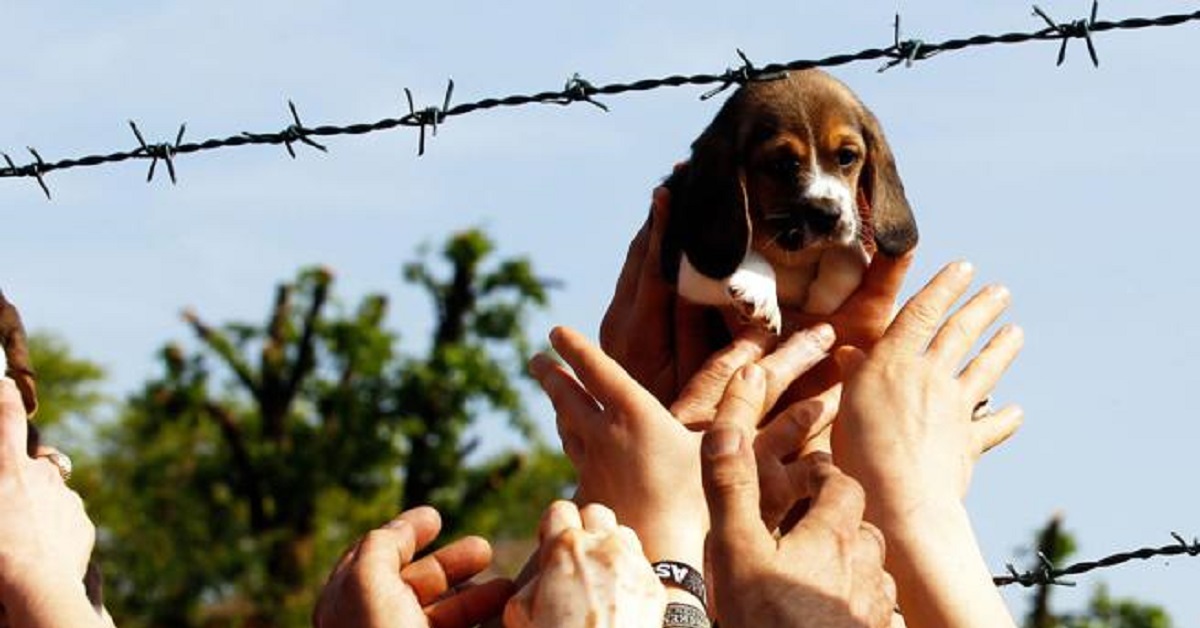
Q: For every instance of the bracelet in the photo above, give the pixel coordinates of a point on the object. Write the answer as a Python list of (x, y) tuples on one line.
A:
[(684, 616), (683, 576)]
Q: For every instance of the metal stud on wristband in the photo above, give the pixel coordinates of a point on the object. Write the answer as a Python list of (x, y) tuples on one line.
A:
[(680, 615), (684, 577)]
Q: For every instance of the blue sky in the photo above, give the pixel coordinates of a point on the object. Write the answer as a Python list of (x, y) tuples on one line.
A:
[(1073, 185)]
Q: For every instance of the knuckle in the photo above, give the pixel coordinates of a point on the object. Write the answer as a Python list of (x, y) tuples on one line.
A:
[(922, 313)]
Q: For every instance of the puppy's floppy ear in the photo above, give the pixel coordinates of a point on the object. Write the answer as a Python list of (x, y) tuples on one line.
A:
[(891, 218), (709, 218)]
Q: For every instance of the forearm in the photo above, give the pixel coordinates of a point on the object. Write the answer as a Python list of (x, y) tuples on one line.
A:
[(49, 602), (941, 578)]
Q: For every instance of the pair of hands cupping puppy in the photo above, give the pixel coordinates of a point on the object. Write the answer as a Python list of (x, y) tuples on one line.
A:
[(639, 410)]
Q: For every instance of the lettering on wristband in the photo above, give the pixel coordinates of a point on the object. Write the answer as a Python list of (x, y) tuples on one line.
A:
[(683, 576)]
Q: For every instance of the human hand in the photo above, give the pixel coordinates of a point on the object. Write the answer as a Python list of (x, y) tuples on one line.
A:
[(791, 428), (46, 537), (376, 584), (629, 452), (826, 571), (659, 338), (592, 574), (906, 428)]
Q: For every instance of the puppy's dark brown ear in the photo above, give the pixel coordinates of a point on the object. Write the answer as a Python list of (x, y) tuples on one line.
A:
[(709, 218), (891, 217)]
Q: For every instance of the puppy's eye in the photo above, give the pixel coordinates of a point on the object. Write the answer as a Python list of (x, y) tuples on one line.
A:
[(785, 166), (846, 157)]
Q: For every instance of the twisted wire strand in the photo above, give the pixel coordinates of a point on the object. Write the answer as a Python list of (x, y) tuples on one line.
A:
[(579, 90)]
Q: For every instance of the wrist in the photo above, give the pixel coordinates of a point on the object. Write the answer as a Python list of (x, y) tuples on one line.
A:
[(682, 543), (900, 512)]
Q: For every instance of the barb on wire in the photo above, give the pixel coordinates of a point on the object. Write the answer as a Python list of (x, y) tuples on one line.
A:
[(907, 52), (164, 151), (578, 90), (742, 75), (1079, 29), (1047, 574), (36, 170), (429, 116)]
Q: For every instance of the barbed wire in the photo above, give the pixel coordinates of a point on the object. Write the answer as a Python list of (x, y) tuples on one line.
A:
[(578, 89), (1048, 574)]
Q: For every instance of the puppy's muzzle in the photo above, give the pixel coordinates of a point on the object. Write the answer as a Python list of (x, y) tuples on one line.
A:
[(803, 224)]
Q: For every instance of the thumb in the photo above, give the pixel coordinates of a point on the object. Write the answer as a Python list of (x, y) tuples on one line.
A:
[(730, 472), (730, 476), (849, 360)]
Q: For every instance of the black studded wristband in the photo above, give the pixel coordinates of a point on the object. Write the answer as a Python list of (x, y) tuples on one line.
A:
[(685, 616), (683, 576)]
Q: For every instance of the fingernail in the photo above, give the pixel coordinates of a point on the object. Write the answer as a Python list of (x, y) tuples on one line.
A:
[(722, 441), (752, 374), (824, 333), (963, 267), (539, 364), (999, 292)]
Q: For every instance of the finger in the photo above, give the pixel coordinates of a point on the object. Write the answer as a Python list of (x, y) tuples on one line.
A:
[(629, 538), (964, 327), (781, 485), (385, 550), (699, 398), (789, 430), (613, 328), (838, 501), (884, 277), (425, 521), (730, 473), (576, 411), (519, 609), (731, 489), (997, 427), (982, 374), (560, 516), (699, 332), (611, 386), (650, 317), (849, 361), (472, 605), (799, 353), (870, 549), (743, 401), (652, 286), (598, 518), (916, 322), (433, 575), (14, 428)]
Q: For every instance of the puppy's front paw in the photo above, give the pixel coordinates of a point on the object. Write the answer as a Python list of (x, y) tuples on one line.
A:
[(753, 295)]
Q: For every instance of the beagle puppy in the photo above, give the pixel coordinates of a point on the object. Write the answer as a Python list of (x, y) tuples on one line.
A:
[(788, 193)]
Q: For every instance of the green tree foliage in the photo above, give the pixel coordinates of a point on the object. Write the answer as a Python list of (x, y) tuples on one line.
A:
[(1055, 545), (71, 384), (232, 480)]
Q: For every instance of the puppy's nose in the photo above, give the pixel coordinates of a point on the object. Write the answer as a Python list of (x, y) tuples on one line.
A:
[(822, 218)]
